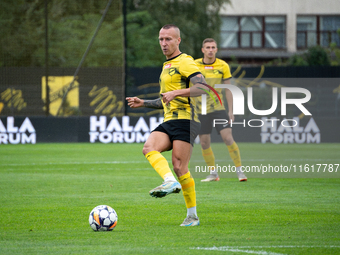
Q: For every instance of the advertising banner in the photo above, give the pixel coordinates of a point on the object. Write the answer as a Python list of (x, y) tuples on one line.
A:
[(126, 129)]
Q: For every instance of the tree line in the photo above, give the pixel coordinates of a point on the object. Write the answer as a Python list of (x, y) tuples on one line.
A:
[(71, 25)]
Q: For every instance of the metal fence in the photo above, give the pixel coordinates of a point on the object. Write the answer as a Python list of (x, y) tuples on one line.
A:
[(100, 91), (95, 91)]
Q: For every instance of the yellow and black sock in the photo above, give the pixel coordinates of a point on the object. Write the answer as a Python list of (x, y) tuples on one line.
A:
[(209, 158), (159, 163), (235, 154), (188, 188)]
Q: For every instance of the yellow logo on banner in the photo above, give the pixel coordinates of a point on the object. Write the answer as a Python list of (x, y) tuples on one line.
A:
[(105, 101), (58, 86), (12, 98)]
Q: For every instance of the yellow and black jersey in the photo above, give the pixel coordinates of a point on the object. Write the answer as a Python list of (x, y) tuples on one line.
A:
[(214, 73), (176, 75)]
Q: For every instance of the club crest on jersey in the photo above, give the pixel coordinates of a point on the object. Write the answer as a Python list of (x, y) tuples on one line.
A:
[(172, 71), (167, 66)]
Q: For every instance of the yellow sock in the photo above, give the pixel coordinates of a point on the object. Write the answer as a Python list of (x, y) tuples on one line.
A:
[(159, 163), (235, 154), (209, 157), (188, 188)]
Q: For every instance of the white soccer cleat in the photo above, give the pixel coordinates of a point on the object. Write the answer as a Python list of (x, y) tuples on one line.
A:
[(165, 189), (211, 178), (190, 221), (241, 177)]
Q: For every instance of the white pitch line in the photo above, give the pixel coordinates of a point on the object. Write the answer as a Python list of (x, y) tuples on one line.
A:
[(234, 249), (289, 246), (144, 161), (246, 249), (74, 163)]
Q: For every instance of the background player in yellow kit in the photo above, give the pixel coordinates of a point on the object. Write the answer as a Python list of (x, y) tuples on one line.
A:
[(216, 71), (178, 80)]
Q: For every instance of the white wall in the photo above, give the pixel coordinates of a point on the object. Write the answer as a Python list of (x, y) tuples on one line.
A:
[(266, 7), (288, 8)]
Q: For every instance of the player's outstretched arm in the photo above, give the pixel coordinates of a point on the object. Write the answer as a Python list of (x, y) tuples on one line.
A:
[(156, 103), (135, 102)]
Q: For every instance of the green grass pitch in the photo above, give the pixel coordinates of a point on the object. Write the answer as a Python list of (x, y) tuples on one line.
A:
[(48, 190)]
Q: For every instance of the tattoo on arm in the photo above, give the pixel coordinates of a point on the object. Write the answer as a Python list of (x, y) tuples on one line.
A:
[(198, 79), (156, 103)]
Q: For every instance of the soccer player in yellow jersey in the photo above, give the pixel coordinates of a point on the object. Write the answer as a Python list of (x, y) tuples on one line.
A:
[(216, 71), (179, 80)]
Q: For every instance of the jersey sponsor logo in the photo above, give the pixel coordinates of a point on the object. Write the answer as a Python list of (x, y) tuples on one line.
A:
[(167, 66)]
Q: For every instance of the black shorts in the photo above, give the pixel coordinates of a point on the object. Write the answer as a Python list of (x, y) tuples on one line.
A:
[(184, 130), (207, 122)]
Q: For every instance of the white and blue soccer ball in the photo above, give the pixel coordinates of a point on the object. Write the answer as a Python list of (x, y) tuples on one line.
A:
[(103, 218)]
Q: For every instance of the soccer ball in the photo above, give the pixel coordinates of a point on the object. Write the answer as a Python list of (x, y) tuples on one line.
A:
[(103, 218)]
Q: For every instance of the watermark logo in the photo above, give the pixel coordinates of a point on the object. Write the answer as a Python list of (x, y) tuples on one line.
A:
[(238, 100), (204, 97)]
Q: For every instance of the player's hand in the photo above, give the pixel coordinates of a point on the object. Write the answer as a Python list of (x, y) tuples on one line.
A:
[(135, 102), (231, 116), (167, 97)]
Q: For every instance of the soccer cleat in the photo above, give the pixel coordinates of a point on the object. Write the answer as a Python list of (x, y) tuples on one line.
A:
[(165, 189), (190, 221), (241, 177), (211, 178)]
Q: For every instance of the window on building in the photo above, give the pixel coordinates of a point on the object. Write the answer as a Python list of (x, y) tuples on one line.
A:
[(253, 32), (317, 30)]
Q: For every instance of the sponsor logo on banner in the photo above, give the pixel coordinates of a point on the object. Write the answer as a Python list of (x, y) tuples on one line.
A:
[(289, 131), (120, 130), (22, 134), (58, 86)]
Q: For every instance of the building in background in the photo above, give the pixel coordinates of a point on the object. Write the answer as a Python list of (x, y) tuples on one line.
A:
[(260, 31)]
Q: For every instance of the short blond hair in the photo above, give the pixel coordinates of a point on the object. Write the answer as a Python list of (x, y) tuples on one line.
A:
[(168, 26), (208, 40)]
